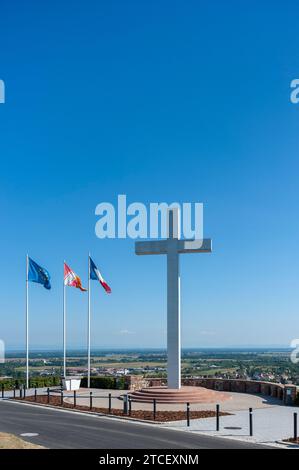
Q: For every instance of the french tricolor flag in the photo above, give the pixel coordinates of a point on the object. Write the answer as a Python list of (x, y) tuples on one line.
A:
[(96, 275)]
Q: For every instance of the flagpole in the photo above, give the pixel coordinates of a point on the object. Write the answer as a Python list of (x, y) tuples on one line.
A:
[(64, 327), (27, 324), (88, 326)]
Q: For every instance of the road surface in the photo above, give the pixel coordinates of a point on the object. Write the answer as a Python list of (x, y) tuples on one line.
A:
[(67, 430)]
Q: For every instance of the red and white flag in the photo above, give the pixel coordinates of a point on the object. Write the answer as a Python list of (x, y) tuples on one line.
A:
[(71, 278), (96, 275)]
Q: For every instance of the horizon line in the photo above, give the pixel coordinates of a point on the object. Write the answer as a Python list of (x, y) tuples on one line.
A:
[(139, 348)]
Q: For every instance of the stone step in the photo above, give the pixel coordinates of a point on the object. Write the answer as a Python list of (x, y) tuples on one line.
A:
[(182, 395)]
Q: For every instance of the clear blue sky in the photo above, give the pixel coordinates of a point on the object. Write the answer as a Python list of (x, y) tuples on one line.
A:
[(162, 101)]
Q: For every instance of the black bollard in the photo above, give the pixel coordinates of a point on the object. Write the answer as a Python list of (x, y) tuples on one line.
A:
[(14, 392), (48, 395), (125, 404), (109, 404), (295, 427), (2, 390), (130, 406), (24, 387), (217, 417), (75, 398), (250, 422), (61, 398), (155, 407), (35, 395), (90, 400), (20, 392), (188, 414)]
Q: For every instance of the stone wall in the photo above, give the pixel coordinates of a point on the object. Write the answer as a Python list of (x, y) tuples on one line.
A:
[(286, 393), (136, 382)]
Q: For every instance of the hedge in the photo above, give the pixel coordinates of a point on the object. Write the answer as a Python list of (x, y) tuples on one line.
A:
[(116, 383), (34, 382), (105, 382)]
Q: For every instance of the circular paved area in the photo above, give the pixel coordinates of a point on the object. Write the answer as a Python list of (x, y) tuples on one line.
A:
[(235, 401)]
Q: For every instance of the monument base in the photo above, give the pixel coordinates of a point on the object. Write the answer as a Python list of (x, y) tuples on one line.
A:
[(182, 395)]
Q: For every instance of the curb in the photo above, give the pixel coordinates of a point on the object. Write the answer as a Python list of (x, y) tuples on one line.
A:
[(286, 443)]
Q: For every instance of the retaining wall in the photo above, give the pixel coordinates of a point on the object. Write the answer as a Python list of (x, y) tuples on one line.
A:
[(286, 393)]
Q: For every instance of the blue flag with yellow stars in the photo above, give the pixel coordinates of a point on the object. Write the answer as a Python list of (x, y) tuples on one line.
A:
[(38, 274)]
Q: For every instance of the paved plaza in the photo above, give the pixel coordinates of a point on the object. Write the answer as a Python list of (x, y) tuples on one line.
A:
[(270, 424)]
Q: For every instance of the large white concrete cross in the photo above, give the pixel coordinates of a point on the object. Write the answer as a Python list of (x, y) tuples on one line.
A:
[(173, 246)]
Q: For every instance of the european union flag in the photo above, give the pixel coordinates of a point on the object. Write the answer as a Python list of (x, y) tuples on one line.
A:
[(38, 274)]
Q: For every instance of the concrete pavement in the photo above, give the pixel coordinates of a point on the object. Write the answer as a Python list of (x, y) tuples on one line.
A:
[(270, 424)]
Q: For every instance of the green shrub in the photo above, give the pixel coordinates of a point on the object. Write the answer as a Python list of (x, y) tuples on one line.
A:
[(113, 383), (37, 382), (34, 382)]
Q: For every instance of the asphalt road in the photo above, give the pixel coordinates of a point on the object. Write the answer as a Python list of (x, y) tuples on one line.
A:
[(64, 430)]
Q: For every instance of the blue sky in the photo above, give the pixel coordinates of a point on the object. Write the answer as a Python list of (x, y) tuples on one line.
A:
[(162, 101)]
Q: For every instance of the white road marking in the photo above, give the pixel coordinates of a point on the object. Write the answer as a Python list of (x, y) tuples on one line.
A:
[(29, 434)]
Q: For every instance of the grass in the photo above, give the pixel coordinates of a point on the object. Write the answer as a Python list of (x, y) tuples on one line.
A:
[(9, 441)]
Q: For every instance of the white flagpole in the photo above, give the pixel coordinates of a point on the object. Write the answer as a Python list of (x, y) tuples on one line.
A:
[(27, 324), (64, 327), (88, 327)]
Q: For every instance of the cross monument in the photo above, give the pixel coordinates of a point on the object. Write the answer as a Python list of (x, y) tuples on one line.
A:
[(173, 246)]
